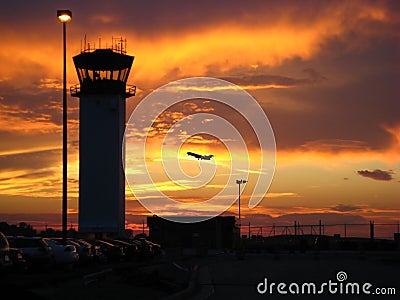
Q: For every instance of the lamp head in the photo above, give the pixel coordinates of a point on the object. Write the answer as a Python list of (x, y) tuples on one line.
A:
[(64, 15), (240, 181)]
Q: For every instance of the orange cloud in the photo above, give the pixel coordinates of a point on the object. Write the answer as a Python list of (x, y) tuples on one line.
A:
[(25, 121), (224, 46), (395, 133)]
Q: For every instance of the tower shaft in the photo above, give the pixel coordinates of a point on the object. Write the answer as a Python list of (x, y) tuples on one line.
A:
[(101, 176)]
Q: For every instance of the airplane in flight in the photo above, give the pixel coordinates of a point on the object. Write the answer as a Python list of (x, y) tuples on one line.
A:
[(199, 156)]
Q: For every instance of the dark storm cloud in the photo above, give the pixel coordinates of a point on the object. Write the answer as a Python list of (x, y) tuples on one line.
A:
[(346, 208), (151, 18), (335, 145), (350, 92), (353, 104), (266, 79), (376, 174), (144, 17)]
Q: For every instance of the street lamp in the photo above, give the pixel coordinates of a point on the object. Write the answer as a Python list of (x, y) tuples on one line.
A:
[(64, 16), (239, 182)]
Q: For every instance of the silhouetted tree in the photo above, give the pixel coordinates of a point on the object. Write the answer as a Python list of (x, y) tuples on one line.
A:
[(21, 229)]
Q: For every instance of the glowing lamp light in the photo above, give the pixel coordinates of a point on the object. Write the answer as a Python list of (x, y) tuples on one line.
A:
[(64, 16)]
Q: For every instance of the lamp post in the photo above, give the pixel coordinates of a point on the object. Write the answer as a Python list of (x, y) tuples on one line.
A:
[(64, 16), (239, 182)]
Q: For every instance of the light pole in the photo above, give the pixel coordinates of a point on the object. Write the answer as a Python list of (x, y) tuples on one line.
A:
[(64, 16), (239, 182)]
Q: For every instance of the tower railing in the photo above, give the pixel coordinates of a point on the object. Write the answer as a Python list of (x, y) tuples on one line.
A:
[(130, 90), (75, 90)]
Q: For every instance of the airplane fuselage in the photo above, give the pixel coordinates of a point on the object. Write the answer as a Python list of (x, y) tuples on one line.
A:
[(199, 156)]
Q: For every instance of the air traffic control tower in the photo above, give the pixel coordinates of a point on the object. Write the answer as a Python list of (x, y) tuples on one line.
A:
[(102, 92)]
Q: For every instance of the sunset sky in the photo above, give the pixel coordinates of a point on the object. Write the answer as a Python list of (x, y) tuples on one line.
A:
[(326, 74)]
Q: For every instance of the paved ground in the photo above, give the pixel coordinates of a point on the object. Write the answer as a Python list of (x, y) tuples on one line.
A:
[(216, 276), (153, 279), (227, 277)]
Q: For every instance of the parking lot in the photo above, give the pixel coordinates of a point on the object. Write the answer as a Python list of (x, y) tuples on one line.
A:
[(151, 279), (217, 274), (83, 269)]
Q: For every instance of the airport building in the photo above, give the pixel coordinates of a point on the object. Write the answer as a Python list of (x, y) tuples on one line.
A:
[(215, 233)]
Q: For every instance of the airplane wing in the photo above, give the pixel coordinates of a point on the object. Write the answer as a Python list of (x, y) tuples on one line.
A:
[(207, 157)]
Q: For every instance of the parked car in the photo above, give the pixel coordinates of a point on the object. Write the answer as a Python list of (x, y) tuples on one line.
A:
[(155, 248), (131, 250), (63, 254), (35, 250), (18, 260), (112, 252), (98, 256), (82, 248), (5, 258), (145, 249), (146, 244)]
